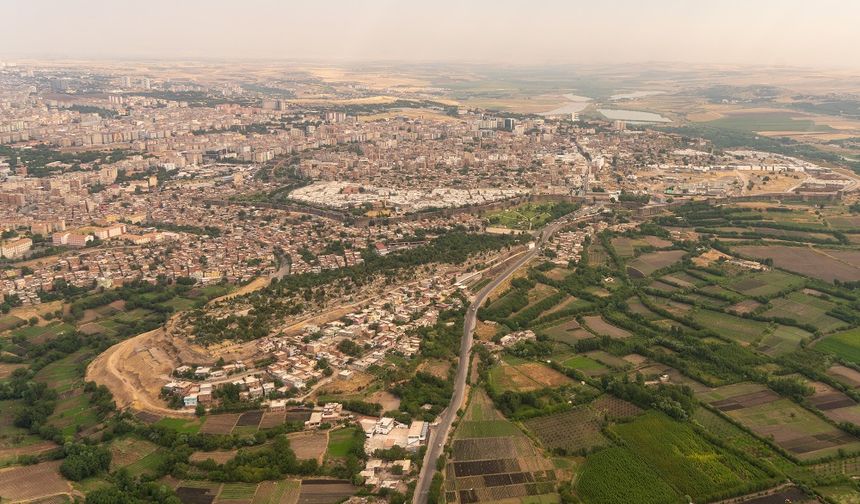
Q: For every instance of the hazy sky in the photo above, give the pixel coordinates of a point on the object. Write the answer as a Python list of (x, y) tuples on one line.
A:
[(784, 32)]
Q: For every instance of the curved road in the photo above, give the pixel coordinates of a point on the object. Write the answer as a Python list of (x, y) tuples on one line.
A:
[(439, 434)]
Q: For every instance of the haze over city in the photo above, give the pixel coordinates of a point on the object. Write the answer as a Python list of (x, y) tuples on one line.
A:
[(772, 32), (391, 252)]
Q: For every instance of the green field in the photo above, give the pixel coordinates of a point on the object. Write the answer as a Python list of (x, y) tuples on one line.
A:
[(845, 345), (729, 326), (64, 374), (688, 462), (766, 283), (73, 414), (43, 333), (148, 464), (237, 491), (182, 425), (805, 308), (616, 475), (586, 365), (340, 441), (524, 217)]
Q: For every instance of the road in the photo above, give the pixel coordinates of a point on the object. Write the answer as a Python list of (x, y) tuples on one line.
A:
[(439, 434)]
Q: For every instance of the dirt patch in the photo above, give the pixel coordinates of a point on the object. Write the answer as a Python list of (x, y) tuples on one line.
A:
[(219, 424), (437, 368), (309, 445), (6, 369), (846, 375), (354, 385), (745, 306), (219, 456), (485, 330), (324, 491), (388, 400), (249, 419), (272, 419), (544, 376)]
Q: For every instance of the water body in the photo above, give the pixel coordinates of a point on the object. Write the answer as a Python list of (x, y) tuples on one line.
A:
[(574, 105), (634, 116), (634, 94)]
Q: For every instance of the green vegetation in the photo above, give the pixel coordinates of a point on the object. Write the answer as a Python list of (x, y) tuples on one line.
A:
[(530, 215), (686, 461), (616, 475), (845, 345), (346, 441)]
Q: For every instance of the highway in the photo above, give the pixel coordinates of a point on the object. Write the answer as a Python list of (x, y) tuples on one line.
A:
[(439, 434)]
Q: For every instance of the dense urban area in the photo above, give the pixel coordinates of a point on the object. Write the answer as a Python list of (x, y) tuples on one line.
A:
[(232, 285)]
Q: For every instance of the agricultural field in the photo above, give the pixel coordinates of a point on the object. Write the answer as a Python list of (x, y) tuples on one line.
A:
[(324, 491), (340, 442), (569, 331), (815, 262), (585, 365), (626, 247), (569, 432), (309, 445), (25, 483), (845, 375), (617, 475), (845, 345), (772, 339), (684, 459), (768, 121), (646, 264), (765, 284), (603, 328), (834, 404), (500, 464), (525, 376), (219, 424), (796, 430), (277, 492)]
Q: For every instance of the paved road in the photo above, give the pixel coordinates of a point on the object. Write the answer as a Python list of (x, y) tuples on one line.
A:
[(439, 434)]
